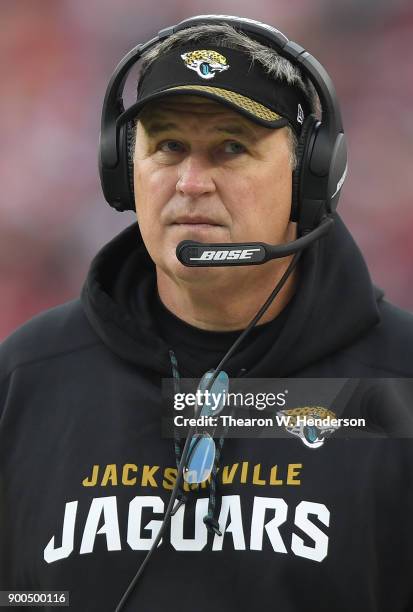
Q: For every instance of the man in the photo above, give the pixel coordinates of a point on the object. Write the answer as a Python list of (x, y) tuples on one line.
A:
[(85, 474)]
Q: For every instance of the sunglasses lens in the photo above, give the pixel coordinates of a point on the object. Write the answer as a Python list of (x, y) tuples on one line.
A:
[(213, 403), (200, 459)]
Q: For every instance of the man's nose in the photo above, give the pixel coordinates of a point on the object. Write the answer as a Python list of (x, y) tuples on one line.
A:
[(195, 176)]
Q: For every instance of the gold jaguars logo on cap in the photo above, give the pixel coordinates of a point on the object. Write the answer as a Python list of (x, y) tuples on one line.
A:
[(205, 62)]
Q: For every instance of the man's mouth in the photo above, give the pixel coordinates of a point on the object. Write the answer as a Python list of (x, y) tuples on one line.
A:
[(195, 221)]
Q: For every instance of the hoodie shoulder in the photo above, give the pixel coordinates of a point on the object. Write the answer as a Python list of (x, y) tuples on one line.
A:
[(388, 347), (56, 331)]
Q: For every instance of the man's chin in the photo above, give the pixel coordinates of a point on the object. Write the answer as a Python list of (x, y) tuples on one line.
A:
[(176, 271), (193, 274)]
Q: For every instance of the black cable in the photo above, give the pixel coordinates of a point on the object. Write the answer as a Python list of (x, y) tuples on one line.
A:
[(172, 499), (192, 429), (258, 316)]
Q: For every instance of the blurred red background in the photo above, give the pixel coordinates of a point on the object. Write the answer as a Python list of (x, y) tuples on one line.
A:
[(57, 58)]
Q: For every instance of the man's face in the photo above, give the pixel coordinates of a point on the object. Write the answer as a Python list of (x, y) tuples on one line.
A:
[(203, 172)]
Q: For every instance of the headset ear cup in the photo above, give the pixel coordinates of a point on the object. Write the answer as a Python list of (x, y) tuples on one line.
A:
[(122, 177), (301, 156), (130, 138)]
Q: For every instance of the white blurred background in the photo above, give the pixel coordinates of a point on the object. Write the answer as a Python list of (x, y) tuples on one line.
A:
[(57, 57)]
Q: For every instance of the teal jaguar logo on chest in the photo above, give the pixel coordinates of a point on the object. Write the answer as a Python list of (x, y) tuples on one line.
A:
[(206, 63), (312, 424)]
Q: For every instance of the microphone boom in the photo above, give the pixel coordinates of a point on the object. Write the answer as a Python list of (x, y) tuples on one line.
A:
[(200, 254)]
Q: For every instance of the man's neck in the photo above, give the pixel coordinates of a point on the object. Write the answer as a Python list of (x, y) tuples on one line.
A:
[(227, 306)]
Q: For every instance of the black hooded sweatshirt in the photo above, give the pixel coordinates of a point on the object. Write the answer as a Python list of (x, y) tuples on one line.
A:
[(85, 474)]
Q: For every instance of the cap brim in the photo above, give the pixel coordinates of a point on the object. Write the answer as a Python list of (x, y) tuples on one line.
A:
[(256, 112)]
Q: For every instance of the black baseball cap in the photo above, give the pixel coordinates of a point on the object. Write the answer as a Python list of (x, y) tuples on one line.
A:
[(228, 76)]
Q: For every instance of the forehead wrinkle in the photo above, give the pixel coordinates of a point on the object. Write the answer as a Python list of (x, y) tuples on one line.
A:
[(157, 123), (153, 127), (239, 130)]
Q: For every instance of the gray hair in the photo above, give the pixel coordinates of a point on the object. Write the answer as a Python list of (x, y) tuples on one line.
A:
[(224, 35)]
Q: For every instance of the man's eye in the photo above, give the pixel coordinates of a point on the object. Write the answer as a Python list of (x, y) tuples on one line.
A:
[(234, 147), (171, 146)]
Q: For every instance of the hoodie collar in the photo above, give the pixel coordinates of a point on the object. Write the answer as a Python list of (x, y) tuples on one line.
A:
[(334, 304)]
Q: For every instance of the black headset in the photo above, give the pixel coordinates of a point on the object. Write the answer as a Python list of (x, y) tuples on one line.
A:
[(322, 150)]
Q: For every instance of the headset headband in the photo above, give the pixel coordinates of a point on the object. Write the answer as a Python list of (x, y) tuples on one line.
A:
[(321, 152), (114, 114)]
